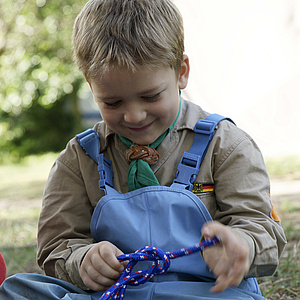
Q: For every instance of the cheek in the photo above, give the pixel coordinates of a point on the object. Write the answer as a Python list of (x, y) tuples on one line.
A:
[(167, 112), (110, 117), (160, 112)]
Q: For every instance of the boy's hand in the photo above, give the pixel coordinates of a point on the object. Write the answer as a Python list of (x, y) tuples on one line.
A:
[(100, 267), (229, 261)]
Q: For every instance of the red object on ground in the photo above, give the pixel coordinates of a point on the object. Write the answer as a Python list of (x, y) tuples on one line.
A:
[(2, 269)]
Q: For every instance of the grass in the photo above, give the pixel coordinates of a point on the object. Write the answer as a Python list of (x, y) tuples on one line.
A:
[(285, 283), (284, 167), (21, 191), (25, 179)]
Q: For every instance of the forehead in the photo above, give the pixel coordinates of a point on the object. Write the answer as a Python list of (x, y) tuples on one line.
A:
[(122, 80)]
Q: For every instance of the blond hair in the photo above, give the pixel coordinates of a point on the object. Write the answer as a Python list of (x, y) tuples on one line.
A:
[(128, 33)]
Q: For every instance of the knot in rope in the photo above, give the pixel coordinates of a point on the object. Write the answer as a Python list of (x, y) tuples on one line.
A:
[(160, 265)]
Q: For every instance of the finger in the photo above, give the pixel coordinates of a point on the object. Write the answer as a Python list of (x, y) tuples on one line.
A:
[(99, 267), (211, 229), (109, 255), (94, 280), (220, 257), (222, 267), (233, 247), (100, 272), (233, 262), (239, 270), (233, 274), (99, 263), (213, 256), (123, 263), (225, 280), (206, 229), (220, 284), (227, 260)]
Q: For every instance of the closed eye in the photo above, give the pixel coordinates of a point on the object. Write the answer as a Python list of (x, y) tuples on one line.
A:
[(113, 104), (151, 98)]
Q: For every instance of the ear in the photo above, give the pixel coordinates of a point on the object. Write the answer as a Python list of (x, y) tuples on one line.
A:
[(184, 72)]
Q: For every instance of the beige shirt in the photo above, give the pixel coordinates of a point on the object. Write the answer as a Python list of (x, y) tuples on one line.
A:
[(233, 163)]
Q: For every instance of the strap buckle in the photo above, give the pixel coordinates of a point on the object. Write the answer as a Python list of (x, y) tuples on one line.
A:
[(205, 127), (105, 171), (188, 170)]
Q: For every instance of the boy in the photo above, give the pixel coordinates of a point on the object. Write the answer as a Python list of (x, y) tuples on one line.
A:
[(131, 53)]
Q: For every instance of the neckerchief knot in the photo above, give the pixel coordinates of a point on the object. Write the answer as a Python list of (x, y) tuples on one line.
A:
[(147, 154)]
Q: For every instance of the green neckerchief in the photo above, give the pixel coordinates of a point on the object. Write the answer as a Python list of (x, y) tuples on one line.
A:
[(140, 173)]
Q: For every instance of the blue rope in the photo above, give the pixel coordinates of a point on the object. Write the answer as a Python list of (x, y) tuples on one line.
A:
[(154, 254)]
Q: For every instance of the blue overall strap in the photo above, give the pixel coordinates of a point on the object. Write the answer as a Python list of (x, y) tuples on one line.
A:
[(189, 165), (89, 141)]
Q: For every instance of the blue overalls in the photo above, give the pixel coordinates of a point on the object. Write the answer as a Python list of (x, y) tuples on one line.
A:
[(169, 218)]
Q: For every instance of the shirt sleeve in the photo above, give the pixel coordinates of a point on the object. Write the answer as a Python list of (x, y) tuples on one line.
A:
[(64, 225), (242, 192)]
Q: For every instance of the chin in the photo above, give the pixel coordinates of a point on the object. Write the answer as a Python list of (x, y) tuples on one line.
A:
[(143, 142)]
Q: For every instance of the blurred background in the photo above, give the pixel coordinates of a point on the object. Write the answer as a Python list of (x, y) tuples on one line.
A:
[(245, 64), (40, 88)]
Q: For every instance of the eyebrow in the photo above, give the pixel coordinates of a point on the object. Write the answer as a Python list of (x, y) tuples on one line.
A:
[(157, 89), (152, 90)]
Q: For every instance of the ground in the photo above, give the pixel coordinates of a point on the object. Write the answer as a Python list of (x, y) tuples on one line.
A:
[(285, 284)]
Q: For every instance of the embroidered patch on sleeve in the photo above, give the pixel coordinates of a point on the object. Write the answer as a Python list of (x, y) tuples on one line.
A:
[(274, 214), (203, 188)]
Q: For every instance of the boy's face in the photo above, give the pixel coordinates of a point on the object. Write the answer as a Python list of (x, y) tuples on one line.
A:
[(139, 105)]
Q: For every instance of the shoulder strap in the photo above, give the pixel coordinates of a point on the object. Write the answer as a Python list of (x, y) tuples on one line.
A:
[(89, 141), (189, 165)]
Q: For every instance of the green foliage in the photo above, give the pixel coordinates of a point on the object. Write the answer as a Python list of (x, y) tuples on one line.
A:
[(39, 81), (285, 283), (284, 166), (21, 260)]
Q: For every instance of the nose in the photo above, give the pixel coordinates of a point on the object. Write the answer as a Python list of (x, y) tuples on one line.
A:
[(134, 114)]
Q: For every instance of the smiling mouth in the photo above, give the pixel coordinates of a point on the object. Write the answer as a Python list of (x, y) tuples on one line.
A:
[(139, 129)]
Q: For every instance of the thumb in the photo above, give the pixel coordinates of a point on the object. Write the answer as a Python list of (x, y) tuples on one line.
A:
[(208, 230), (118, 252), (123, 263), (211, 229), (225, 233)]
